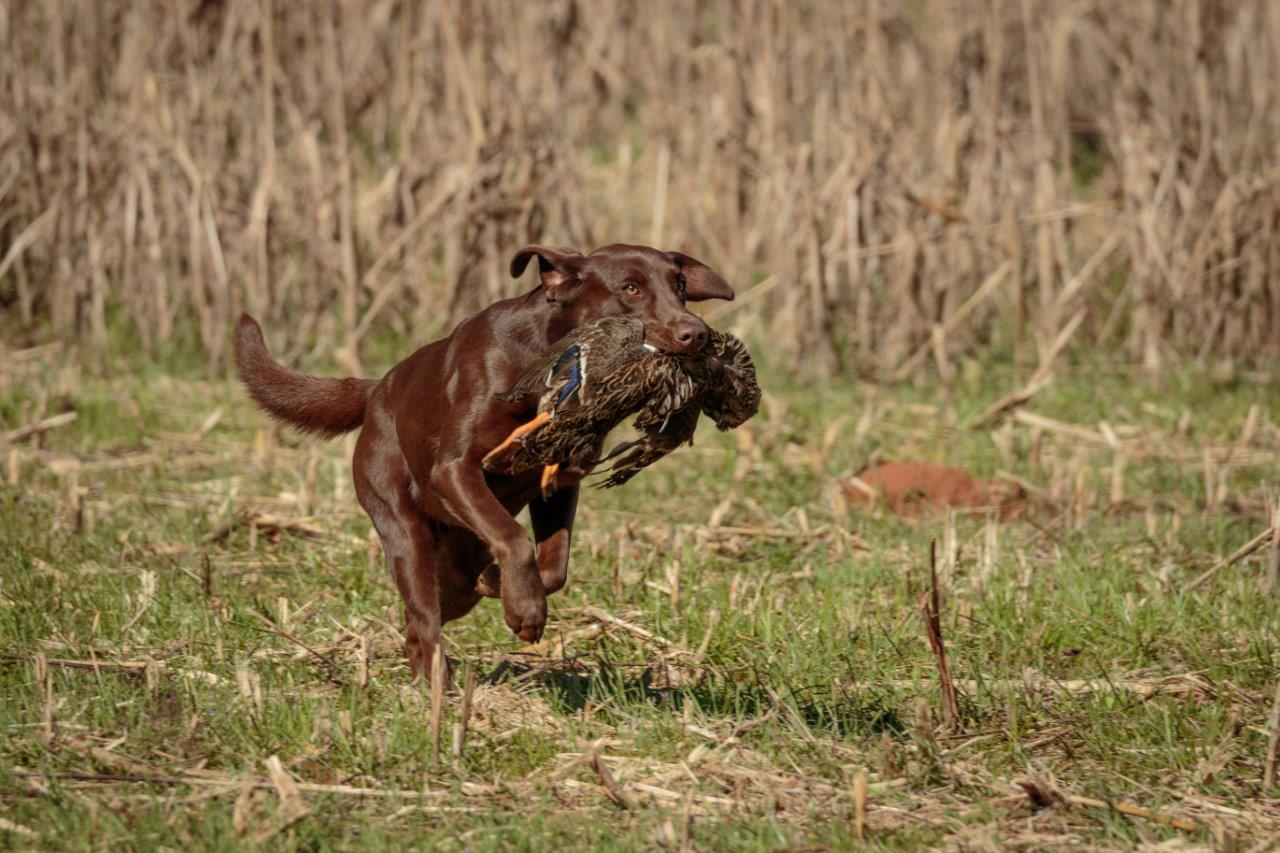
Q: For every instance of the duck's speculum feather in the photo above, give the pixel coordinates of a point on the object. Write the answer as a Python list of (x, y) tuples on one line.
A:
[(570, 364)]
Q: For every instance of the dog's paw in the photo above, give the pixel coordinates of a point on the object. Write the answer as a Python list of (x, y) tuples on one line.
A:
[(526, 616)]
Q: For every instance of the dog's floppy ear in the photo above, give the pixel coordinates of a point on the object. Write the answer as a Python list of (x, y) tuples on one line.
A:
[(556, 267), (700, 281)]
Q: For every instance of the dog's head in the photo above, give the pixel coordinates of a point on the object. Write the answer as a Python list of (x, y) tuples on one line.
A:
[(630, 281)]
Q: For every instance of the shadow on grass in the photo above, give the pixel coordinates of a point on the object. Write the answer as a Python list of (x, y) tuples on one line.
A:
[(573, 682)]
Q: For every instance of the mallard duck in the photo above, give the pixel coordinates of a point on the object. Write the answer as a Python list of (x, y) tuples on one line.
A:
[(585, 384), (602, 372)]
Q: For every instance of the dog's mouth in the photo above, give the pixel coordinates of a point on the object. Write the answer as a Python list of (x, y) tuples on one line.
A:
[(674, 351), (656, 342), (670, 352), (663, 340)]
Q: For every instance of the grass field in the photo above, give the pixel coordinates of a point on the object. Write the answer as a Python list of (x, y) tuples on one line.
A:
[(200, 643)]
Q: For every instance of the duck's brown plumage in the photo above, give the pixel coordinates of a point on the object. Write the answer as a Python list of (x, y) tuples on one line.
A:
[(618, 377), (725, 390)]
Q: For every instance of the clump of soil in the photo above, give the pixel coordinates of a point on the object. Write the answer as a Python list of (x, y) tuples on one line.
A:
[(913, 489)]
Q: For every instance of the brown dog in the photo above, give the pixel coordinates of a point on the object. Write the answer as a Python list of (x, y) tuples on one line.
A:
[(443, 521)]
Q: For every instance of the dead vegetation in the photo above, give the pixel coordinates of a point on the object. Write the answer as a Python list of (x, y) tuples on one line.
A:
[(892, 185)]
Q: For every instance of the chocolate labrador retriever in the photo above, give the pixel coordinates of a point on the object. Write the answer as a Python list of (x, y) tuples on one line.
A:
[(448, 528)]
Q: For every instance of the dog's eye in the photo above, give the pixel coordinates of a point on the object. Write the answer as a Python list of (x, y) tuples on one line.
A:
[(630, 289)]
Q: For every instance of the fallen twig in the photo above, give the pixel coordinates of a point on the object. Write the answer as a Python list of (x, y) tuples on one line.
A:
[(266, 523), (15, 435), (1133, 810), (231, 783), (138, 666), (1044, 795), (335, 671), (632, 628), (611, 787), (1236, 556)]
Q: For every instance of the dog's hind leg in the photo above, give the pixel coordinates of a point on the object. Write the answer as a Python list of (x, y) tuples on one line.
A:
[(409, 549), (489, 583), (410, 545), (462, 557)]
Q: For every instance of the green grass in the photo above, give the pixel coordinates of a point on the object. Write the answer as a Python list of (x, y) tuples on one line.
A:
[(815, 663)]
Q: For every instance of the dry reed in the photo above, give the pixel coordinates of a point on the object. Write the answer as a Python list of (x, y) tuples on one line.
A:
[(882, 180)]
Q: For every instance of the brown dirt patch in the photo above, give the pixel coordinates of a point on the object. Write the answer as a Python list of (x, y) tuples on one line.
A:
[(912, 489)]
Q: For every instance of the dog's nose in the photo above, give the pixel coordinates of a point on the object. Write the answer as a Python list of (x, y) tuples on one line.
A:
[(691, 335)]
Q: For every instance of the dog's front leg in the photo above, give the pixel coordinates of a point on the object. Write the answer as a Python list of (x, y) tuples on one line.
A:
[(462, 489), (552, 528)]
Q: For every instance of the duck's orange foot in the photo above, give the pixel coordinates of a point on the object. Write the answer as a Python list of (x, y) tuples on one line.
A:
[(549, 484), (518, 435)]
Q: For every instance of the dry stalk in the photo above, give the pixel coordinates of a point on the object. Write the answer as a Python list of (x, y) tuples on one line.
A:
[(437, 700), (39, 427), (464, 714), (292, 807), (929, 606), (334, 182), (1273, 744), (1045, 794), (1273, 554), (860, 804), (44, 682)]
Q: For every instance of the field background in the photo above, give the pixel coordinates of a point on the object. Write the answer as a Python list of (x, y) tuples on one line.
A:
[(1036, 240)]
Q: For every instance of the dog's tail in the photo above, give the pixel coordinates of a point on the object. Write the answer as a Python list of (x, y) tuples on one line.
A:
[(326, 407)]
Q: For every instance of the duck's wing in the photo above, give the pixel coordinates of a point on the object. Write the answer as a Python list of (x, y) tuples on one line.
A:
[(565, 376), (719, 381)]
